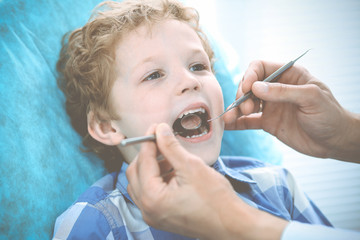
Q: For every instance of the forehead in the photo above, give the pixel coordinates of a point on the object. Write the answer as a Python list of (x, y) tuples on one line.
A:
[(165, 36), (158, 31)]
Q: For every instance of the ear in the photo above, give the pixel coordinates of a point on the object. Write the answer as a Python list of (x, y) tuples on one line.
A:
[(106, 132)]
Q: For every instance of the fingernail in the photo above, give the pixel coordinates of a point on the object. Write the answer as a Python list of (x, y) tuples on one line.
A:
[(261, 86), (165, 130)]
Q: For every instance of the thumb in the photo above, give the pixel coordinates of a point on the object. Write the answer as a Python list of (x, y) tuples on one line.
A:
[(171, 148), (279, 92)]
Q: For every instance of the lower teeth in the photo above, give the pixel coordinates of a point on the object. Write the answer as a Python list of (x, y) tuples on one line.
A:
[(195, 136)]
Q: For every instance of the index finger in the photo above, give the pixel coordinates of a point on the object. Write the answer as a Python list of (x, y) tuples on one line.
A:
[(257, 71)]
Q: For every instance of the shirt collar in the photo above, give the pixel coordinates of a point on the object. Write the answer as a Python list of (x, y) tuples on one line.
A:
[(238, 175), (122, 182), (219, 166)]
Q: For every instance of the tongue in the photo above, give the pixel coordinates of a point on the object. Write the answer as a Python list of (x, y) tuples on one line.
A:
[(191, 122)]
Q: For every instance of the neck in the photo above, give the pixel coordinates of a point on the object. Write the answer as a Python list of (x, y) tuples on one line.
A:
[(129, 152)]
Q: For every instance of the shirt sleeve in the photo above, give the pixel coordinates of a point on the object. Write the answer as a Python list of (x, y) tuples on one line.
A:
[(300, 231), (82, 221)]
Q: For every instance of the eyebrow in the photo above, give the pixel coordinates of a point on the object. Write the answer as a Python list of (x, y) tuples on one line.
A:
[(143, 61), (198, 51), (194, 52)]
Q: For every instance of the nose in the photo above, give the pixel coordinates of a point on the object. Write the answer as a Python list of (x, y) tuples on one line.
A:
[(188, 82)]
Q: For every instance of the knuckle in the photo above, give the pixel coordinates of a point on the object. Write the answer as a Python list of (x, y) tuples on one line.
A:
[(300, 68), (255, 72), (304, 74), (257, 67), (313, 90), (256, 63)]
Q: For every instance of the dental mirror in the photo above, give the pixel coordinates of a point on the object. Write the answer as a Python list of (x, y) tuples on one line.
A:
[(191, 122)]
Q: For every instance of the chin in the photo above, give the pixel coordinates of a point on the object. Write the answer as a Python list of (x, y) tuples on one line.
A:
[(209, 157), (208, 151)]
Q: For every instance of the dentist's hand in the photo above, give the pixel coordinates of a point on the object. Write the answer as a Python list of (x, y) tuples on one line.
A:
[(299, 110), (193, 200)]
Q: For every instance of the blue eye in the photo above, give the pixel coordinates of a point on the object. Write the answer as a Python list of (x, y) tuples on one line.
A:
[(153, 76), (198, 67)]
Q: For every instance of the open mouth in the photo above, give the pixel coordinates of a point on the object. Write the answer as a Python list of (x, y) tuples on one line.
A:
[(201, 130)]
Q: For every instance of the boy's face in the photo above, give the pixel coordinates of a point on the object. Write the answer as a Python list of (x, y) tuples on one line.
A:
[(162, 73)]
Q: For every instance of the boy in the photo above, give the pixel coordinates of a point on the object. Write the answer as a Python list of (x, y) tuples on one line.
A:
[(135, 64)]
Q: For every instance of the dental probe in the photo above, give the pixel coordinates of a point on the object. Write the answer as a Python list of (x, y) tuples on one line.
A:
[(270, 78)]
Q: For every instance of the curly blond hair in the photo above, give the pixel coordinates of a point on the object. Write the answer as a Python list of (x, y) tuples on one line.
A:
[(86, 64)]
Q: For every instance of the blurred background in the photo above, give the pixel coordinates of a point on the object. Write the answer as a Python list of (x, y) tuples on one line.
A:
[(280, 31)]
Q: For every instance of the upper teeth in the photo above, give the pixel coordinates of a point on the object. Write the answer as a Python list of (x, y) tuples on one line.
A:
[(192, 111)]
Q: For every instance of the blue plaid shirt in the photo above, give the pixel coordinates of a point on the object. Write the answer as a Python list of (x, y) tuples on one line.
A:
[(106, 211)]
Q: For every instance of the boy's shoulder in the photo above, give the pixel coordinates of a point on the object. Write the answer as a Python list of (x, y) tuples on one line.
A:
[(100, 190), (100, 210), (106, 211)]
